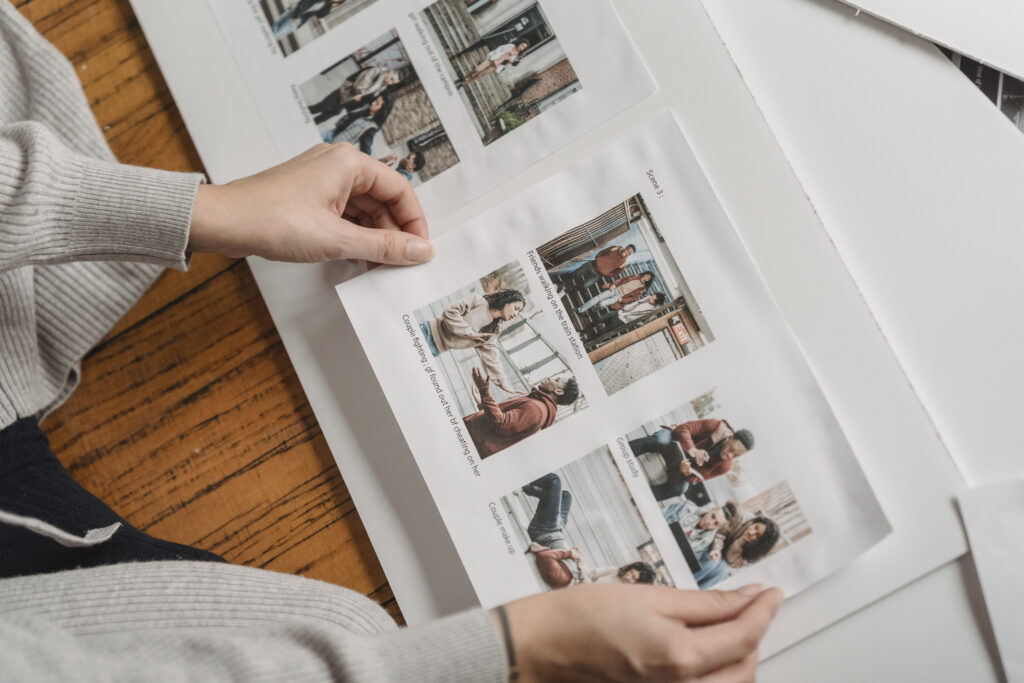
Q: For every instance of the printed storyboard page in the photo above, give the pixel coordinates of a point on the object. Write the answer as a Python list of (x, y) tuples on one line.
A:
[(457, 96), (597, 386)]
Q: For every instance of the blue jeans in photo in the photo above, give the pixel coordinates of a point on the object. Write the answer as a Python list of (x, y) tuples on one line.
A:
[(548, 524), (285, 24), (429, 336), (606, 298)]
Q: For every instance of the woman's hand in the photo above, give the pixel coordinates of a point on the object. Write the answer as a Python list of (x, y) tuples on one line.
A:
[(331, 202), (640, 633), (700, 455)]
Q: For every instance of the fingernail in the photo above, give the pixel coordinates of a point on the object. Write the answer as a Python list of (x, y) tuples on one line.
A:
[(418, 250), (751, 589)]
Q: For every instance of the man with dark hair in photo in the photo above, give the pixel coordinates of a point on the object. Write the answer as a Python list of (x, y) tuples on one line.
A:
[(296, 16), (496, 426), (609, 262), (407, 165), (559, 562), (691, 452)]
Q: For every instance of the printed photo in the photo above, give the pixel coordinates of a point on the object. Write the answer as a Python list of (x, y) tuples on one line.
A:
[(579, 524), (624, 294), (1003, 90), (374, 100), (297, 23), (507, 379), (504, 59), (723, 502)]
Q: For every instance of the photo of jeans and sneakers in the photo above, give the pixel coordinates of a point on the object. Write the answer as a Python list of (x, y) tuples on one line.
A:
[(297, 23), (374, 99), (507, 380), (504, 58), (624, 293), (716, 489), (580, 525)]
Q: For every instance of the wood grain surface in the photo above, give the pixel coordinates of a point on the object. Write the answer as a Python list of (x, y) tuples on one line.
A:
[(189, 420)]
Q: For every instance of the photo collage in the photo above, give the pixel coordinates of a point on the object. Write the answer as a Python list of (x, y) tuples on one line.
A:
[(502, 58), (626, 298)]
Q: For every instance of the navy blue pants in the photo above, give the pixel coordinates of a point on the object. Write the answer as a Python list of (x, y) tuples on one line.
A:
[(33, 483)]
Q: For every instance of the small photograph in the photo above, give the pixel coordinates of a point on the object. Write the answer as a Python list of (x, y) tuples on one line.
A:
[(507, 379), (624, 294), (504, 59), (725, 506), (374, 100), (297, 23), (1004, 91), (579, 524)]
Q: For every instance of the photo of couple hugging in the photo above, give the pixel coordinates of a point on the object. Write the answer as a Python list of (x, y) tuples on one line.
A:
[(373, 99), (624, 293), (506, 377), (698, 467), (580, 525)]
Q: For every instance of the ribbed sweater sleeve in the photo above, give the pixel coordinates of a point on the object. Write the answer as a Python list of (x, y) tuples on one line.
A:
[(58, 206), (168, 621)]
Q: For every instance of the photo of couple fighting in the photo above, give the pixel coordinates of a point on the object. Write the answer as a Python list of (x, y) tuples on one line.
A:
[(625, 294), (506, 377), (699, 467), (579, 525)]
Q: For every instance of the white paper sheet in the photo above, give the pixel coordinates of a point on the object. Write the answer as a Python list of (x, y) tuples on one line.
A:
[(987, 30), (994, 518), (738, 363), (577, 70)]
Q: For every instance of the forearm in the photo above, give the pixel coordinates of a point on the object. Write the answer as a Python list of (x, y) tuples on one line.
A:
[(58, 206)]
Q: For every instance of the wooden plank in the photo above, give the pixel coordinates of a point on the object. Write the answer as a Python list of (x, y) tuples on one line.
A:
[(189, 420)]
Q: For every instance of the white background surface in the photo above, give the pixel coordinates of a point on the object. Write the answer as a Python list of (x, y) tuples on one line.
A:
[(988, 30), (930, 631)]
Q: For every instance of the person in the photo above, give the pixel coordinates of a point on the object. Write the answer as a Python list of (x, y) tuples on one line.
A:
[(361, 126), (83, 238), (746, 543), (559, 562), (496, 426), (620, 293), (497, 60), (691, 452), (609, 262), (475, 323), (701, 524), (298, 14), (407, 165), (637, 310), (358, 89)]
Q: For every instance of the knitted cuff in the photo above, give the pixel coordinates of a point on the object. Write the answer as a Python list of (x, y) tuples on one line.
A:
[(129, 213)]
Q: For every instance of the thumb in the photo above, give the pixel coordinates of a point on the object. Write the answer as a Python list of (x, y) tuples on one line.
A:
[(696, 608), (379, 245)]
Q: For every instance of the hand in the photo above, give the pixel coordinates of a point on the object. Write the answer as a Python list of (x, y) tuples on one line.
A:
[(331, 202), (481, 380), (577, 554), (700, 455), (389, 158), (482, 337), (640, 633), (685, 468), (715, 555), (607, 285)]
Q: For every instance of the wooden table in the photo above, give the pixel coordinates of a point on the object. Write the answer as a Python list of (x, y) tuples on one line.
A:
[(189, 420)]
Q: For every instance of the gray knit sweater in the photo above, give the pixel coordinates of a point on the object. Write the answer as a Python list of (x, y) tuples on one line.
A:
[(81, 238)]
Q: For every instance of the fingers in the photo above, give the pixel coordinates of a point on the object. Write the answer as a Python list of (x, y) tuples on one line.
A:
[(732, 641), (698, 608), (376, 180), (383, 246)]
